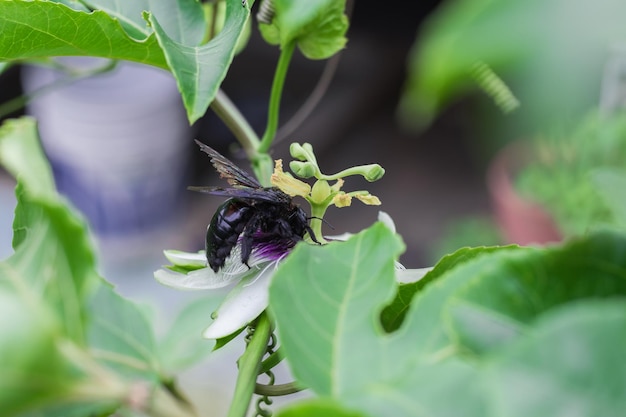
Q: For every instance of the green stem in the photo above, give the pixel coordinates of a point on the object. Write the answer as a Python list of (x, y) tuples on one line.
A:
[(277, 390), (249, 365), (236, 123), (357, 170), (277, 90), (271, 361), (233, 119), (317, 214)]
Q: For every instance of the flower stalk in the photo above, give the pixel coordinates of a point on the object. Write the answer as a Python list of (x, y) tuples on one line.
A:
[(249, 366), (286, 53)]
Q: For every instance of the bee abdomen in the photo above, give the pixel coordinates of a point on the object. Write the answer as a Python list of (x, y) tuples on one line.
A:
[(226, 225)]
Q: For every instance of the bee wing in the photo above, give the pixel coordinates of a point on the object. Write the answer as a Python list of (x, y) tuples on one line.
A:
[(228, 170), (260, 194)]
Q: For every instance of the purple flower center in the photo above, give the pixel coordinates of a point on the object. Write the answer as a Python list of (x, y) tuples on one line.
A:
[(272, 247)]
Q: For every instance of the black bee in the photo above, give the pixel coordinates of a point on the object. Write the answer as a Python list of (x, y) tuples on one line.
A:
[(258, 214)]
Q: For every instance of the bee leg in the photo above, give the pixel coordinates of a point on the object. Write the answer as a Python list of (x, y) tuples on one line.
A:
[(247, 239), (312, 234)]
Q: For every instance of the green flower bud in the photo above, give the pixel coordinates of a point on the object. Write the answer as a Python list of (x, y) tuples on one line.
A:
[(303, 169), (373, 172), (298, 152)]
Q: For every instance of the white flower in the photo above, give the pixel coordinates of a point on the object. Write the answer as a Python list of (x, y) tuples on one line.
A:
[(248, 298), (250, 293)]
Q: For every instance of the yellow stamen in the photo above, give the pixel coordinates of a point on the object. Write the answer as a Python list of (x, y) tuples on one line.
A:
[(370, 200), (288, 184), (342, 200)]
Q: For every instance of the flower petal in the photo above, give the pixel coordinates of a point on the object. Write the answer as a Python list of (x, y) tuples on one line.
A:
[(243, 303), (200, 279), (288, 184), (406, 276), (386, 219), (188, 260), (370, 200)]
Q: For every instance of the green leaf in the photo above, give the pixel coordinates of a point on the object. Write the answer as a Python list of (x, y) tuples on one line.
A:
[(121, 337), (341, 277), (33, 371), (60, 313), (199, 70), (499, 303), (53, 251), (571, 363), (326, 299), (318, 26), (318, 407), (183, 20), (39, 29), (462, 33), (183, 345), (393, 315), (606, 181)]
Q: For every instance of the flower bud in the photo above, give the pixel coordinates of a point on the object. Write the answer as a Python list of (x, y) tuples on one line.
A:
[(303, 169), (298, 152), (373, 172)]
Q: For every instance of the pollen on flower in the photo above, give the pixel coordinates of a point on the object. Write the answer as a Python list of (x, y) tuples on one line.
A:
[(342, 200), (288, 184)]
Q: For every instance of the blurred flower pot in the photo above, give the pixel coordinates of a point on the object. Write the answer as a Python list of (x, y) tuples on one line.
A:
[(119, 144), (521, 220)]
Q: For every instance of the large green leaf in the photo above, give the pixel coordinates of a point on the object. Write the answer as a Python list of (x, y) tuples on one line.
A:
[(53, 300), (551, 52), (348, 281), (121, 336), (33, 371), (502, 301), (53, 252), (326, 302), (39, 29), (183, 20), (393, 315), (44, 284), (199, 70), (170, 39), (570, 364)]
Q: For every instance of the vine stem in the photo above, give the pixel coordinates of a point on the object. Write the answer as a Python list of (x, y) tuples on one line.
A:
[(226, 110), (249, 365), (280, 75), (278, 390)]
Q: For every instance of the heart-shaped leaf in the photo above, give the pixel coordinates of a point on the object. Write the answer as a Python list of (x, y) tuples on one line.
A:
[(171, 39)]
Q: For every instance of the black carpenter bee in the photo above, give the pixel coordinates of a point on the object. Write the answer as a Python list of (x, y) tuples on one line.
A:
[(254, 214)]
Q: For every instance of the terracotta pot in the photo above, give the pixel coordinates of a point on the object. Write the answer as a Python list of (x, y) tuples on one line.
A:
[(521, 220)]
